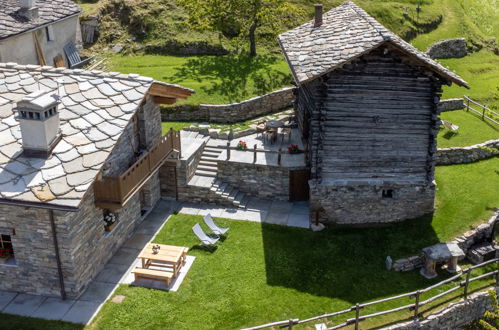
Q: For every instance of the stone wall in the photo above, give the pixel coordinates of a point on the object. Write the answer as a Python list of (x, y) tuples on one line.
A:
[(451, 104), (453, 48), (470, 154), (231, 113), (35, 269), (263, 181), (474, 236), (359, 204), (454, 316)]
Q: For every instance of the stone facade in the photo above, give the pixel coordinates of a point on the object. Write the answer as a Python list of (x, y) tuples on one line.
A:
[(84, 246), (454, 316), (451, 104), (232, 113), (453, 48), (364, 204), (262, 181), (470, 154)]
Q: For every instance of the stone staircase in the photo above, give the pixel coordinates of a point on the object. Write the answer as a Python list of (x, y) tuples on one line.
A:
[(208, 165), (206, 189), (230, 193)]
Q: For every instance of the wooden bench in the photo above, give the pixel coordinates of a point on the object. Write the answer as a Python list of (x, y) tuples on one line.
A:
[(158, 275)]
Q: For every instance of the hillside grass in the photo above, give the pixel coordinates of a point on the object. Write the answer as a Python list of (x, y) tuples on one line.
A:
[(216, 79), (472, 130)]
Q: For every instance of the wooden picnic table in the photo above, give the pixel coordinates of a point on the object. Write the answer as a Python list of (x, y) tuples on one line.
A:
[(168, 256)]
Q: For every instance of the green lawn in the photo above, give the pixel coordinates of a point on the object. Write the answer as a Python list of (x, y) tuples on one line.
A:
[(472, 130), (216, 79), (264, 272)]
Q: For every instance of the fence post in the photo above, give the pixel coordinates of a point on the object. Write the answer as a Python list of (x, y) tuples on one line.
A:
[(291, 322), (357, 314), (254, 154), (279, 157), (497, 275), (468, 273), (416, 305), (228, 150)]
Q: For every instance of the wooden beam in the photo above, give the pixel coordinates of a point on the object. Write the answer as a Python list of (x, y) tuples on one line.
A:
[(164, 100), (158, 89)]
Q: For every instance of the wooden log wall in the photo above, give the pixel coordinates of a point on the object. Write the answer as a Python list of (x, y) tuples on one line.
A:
[(373, 118)]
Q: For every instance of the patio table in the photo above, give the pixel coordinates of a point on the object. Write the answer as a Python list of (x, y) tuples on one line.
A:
[(167, 256), (275, 124)]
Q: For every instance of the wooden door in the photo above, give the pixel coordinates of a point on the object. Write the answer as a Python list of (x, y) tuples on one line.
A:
[(298, 185)]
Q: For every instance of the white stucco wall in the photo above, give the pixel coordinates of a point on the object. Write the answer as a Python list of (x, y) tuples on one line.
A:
[(21, 48)]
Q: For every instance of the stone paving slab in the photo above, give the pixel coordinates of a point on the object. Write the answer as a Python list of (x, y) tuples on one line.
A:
[(53, 309), (98, 291), (6, 298), (24, 304), (113, 273), (82, 312)]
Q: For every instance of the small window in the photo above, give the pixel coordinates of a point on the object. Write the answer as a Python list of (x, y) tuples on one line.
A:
[(6, 250), (50, 33), (37, 115), (23, 114), (387, 193), (30, 115)]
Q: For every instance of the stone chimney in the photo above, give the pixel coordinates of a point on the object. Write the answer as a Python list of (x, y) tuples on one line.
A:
[(39, 120), (318, 15), (28, 9)]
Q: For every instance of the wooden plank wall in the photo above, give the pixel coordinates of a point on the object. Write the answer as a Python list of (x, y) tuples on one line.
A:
[(373, 118)]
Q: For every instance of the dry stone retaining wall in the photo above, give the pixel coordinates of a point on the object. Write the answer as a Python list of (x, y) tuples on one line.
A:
[(451, 104), (480, 234), (232, 113), (453, 48), (455, 316), (470, 154)]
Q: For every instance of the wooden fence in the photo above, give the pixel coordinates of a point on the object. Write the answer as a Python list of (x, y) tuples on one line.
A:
[(485, 112), (414, 307)]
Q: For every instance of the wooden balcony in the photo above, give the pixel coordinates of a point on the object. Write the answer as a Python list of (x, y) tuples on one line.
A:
[(113, 192)]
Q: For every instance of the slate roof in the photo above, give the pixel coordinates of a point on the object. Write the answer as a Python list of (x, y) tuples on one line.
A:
[(94, 110), (12, 23), (347, 32)]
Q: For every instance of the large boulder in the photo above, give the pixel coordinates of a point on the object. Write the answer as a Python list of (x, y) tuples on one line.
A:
[(453, 48)]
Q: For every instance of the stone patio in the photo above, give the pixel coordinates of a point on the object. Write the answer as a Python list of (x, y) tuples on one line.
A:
[(117, 271)]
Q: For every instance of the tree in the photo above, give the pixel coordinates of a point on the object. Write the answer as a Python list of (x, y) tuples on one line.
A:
[(240, 18)]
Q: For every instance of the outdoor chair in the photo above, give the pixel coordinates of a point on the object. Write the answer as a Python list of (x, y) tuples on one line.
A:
[(286, 131), (208, 220), (271, 134), (261, 126), (201, 235)]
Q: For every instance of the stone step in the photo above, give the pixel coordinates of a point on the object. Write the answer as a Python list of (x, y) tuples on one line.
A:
[(210, 154), (202, 181), (244, 202), (206, 168), (213, 149), (238, 198), (208, 163), (206, 173), (227, 191), (221, 188), (209, 159), (233, 194)]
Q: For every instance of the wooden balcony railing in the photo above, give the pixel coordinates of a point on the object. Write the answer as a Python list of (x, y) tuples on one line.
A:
[(114, 192)]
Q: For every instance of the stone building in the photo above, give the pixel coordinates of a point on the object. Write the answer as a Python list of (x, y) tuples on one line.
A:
[(36, 31), (367, 106), (75, 146)]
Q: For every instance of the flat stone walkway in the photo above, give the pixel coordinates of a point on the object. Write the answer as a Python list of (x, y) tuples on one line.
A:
[(117, 271), (275, 212)]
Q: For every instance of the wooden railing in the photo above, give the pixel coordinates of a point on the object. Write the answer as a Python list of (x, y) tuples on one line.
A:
[(485, 112), (414, 307), (117, 190)]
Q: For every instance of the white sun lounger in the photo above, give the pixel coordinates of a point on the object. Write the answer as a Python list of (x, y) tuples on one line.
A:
[(201, 235), (208, 220)]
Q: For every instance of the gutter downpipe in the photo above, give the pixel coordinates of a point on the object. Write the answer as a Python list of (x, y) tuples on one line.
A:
[(57, 255)]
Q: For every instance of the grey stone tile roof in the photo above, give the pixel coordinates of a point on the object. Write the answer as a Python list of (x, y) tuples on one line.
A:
[(11, 22), (347, 32), (94, 110)]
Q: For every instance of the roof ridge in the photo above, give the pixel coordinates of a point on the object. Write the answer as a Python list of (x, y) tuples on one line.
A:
[(134, 77)]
